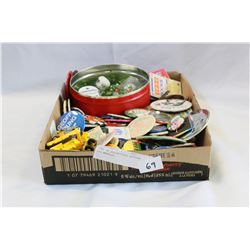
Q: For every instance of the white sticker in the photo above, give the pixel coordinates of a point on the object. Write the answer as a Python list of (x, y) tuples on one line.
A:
[(142, 162), (120, 132)]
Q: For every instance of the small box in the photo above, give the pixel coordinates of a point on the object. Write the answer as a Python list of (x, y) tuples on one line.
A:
[(74, 167)]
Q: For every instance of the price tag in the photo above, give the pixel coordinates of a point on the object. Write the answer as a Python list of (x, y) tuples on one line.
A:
[(142, 162), (151, 164)]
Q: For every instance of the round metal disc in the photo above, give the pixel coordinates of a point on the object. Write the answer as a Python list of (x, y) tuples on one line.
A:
[(199, 120), (141, 125), (171, 105), (134, 113)]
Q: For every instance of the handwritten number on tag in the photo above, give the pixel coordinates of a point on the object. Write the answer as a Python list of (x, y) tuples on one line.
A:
[(150, 165)]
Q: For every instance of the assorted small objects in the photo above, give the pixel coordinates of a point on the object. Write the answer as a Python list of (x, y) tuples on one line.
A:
[(167, 122)]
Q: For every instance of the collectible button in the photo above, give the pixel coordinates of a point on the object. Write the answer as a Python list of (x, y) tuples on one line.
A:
[(157, 129), (141, 125), (119, 116), (134, 113), (94, 120), (89, 91), (161, 138), (175, 123), (161, 117), (159, 133), (171, 105), (199, 120), (71, 120), (78, 110), (131, 145)]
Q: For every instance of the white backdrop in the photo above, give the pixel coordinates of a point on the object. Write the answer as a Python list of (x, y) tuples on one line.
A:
[(32, 77)]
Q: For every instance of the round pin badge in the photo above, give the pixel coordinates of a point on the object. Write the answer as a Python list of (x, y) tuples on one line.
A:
[(89, 91), (171, 105), (161, 117), (199, 121), (176, 122), (71, 120), (141, 125), (134, 113), (157, 129), (159, 133)]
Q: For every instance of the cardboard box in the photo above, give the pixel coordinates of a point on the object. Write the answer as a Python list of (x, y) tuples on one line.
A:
[(180, 164)]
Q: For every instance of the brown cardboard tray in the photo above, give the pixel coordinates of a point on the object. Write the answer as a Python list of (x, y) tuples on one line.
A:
[(180, 164)]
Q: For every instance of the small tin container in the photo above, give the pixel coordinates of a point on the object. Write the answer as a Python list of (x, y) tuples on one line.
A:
[(101, 105)]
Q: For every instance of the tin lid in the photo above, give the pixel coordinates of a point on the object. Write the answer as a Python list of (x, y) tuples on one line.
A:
[(141, 125), (171, 105)]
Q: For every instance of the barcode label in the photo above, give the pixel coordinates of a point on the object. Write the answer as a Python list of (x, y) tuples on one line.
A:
[(75, 164)]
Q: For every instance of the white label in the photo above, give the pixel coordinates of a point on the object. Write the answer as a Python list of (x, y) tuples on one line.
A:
[(120, 132), (129, 159)]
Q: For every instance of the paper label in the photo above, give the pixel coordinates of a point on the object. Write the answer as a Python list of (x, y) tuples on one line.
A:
[(142, 162), (158, 85)]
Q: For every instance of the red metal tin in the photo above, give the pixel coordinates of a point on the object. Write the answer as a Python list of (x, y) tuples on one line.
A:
[(114, 104)]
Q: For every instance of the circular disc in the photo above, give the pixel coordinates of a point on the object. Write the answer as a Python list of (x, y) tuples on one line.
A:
[(199, 120), (171, 105), (133, 113), (141, 125), (160, 116), (158, 128)]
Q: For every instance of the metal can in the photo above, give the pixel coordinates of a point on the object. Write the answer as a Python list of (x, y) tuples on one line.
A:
[(101, 105)]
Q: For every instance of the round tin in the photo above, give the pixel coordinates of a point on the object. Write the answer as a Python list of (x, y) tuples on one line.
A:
[(101, 105), (171, 105)]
